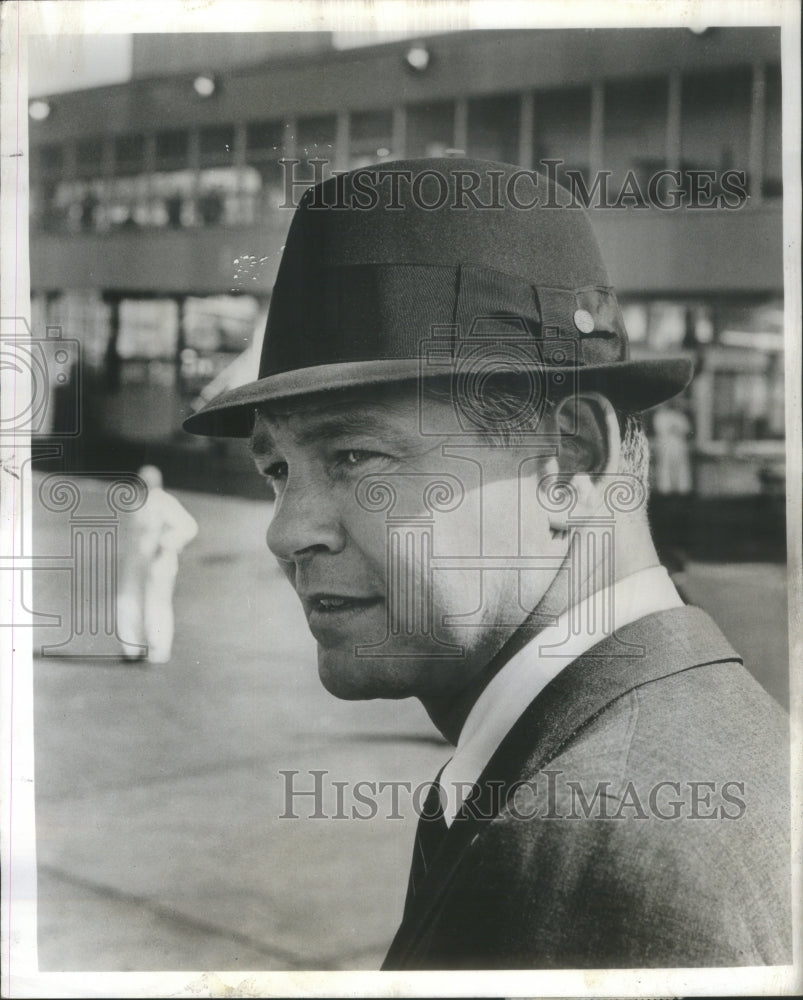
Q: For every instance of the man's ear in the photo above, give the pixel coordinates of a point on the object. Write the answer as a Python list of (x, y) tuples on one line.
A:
[(589, 435), (589, 447)]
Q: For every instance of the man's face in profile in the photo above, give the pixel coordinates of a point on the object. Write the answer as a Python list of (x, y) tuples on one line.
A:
[(356, 490)]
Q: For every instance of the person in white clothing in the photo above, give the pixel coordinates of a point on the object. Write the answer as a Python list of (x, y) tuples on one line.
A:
[(152, 540), (670, 451)]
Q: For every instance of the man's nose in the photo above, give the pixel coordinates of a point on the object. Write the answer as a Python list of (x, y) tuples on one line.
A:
[(305, 520)]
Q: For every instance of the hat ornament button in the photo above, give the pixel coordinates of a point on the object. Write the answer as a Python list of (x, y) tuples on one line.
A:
[(583, 320)]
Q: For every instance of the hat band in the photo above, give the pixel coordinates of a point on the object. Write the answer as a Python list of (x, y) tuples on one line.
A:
[(374, 312)]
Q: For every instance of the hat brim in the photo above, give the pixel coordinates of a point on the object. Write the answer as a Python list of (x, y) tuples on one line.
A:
[(630, 385)]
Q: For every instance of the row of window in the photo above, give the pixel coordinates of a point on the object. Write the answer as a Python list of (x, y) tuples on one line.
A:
[(714, 129), (230, 174), (179, 343)]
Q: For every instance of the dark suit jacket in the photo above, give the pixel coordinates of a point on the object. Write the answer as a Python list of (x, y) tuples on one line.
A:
[(526, 880)]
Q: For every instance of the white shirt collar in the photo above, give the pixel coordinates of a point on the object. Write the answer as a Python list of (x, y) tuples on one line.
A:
[(528, 672)]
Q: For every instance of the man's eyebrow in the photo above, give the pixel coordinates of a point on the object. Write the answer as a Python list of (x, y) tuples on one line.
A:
[(261, 442), (335, 425)]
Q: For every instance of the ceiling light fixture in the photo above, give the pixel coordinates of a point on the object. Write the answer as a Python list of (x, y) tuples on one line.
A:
[(417, 58), (204, 86), (39, 110)]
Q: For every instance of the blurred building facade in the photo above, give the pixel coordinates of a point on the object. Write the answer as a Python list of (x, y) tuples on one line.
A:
[(157, 226)]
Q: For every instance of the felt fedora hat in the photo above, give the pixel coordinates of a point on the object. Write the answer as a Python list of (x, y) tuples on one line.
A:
[(416, 269)]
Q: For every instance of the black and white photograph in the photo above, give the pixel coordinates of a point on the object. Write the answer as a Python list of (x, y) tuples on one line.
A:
[(401, 499)]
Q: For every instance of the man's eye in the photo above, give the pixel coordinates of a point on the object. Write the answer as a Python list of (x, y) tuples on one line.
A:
[(276, 471), (357, 456)]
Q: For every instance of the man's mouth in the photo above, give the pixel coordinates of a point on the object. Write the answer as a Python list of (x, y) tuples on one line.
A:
[(333, 618), (331, 604)]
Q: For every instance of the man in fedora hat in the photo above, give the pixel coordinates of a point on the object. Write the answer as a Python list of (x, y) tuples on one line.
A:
[(448, 413)]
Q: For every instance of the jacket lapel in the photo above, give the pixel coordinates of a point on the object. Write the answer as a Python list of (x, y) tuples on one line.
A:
[(672, 641)]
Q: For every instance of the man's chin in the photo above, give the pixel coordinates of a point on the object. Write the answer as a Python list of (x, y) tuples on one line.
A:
[(355, 678)]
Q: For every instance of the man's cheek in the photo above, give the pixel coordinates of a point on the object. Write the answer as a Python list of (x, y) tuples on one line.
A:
[(289, 570), (369, 535)]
